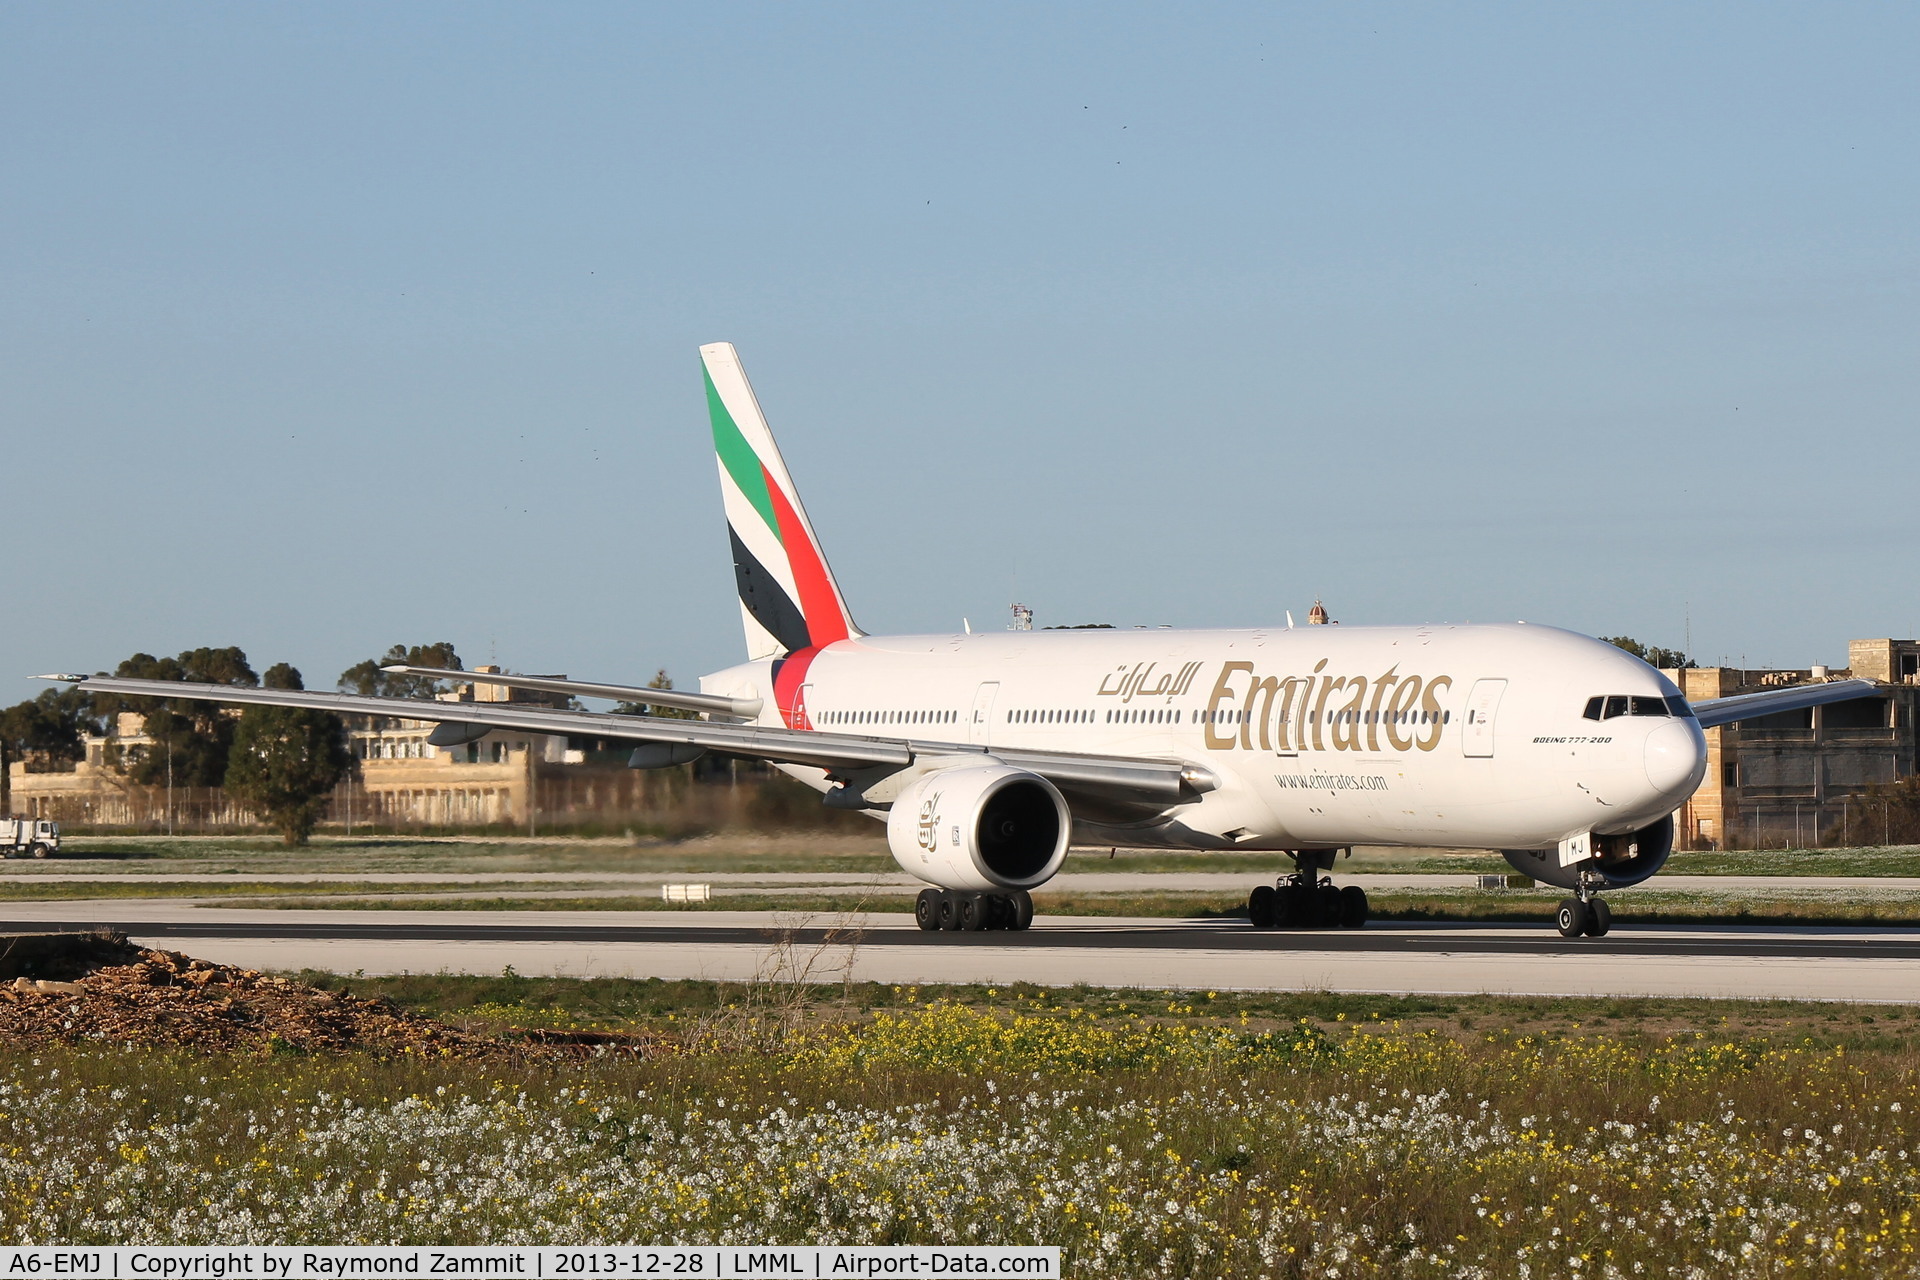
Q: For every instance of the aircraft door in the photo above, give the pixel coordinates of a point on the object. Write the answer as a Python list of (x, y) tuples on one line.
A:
[(1476, 736), (798, 718), (980, 727)]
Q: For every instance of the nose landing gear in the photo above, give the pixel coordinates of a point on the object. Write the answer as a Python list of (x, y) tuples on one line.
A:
[(1583, 915), (1306, 899)]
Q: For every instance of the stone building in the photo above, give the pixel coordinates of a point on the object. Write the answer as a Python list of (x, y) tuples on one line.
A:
[(403, 779), (1786, 779)]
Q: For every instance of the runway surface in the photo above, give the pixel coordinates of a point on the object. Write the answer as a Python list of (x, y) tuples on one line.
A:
[(1231, 885), (1820, 963)]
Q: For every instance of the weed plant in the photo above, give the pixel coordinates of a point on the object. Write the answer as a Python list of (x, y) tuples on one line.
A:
[(1173, 1136)]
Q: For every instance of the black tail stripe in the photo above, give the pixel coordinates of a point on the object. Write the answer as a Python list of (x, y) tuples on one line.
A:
[(766, 599)]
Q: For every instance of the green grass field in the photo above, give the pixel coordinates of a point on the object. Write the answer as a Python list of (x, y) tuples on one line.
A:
[(1177, 1134)]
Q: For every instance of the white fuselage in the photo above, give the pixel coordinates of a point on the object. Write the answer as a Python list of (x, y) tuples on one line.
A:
[(1325, 736)]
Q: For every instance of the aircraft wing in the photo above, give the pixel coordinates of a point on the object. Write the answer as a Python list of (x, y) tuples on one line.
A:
[(1747, 706), (1120, 778)]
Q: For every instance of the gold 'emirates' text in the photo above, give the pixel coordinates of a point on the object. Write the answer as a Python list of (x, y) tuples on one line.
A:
[(1321, 712)]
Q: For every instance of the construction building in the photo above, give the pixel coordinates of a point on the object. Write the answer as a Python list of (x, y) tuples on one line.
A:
[(1788, 779)]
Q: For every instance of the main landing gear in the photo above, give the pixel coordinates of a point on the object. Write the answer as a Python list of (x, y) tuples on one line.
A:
[(953, 910), (1306, 899)]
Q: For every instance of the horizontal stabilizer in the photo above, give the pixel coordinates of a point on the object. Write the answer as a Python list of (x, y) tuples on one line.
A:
[(1748, 706)]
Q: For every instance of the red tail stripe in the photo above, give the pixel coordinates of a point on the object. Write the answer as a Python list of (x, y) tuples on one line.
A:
[(818, 601), (789, 677)]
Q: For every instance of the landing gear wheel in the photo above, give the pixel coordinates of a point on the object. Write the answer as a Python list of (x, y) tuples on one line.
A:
[(1572, 918), (926, 910), (949, 911), (1326, 905), (1353, 907), (1599, 919), (1263, 907), (1022, 909), (976, 912), (1293, 907)]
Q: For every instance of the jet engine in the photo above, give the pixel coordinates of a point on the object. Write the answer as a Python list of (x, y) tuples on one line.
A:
[(980, 827), (1620, 860)]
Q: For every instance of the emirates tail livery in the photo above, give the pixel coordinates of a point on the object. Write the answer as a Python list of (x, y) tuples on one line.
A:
[(988, 755)]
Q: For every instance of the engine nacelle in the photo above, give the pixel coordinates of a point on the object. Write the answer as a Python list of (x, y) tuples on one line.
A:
[(1620, 860), (980, 827)]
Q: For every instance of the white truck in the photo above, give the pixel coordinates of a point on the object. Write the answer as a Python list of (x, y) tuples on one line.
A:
[(28, 838)]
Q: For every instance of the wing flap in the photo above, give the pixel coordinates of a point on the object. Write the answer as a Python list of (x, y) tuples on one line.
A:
[(712, 703), (793, 746)]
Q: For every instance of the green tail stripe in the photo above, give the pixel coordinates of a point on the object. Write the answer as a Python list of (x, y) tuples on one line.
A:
[(738, 457)]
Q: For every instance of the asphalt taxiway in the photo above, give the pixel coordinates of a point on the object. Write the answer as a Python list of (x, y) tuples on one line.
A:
[(1804, 962)]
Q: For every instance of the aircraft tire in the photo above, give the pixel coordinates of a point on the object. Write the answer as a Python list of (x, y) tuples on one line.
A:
[(1571, 919), (926, 910), (1327, 907), (949, 911), (1353, 907), (1599, 919), (1006, 911), (1263, 907), (1022, 909), (976, 912)]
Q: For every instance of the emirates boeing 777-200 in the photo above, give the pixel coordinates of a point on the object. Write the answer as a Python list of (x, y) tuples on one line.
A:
[(989, 755)]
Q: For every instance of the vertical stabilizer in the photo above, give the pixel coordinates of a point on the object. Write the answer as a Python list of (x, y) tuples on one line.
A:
[(788, 598)]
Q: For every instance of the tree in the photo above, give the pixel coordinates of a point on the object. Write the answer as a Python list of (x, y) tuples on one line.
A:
[(286, 761), (1665, 659), (661, 680), (49, 728), (190, 739), (369, 681)]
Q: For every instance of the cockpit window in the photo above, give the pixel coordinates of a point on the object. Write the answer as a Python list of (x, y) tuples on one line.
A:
[(1635, 704)]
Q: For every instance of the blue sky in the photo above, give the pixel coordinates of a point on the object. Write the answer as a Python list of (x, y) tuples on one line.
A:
[(325, 327)]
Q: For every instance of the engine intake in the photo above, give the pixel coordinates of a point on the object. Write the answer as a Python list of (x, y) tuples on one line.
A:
[(980, 827)]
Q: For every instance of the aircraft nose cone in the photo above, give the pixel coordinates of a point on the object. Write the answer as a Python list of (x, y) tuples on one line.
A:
[(1676, 758)]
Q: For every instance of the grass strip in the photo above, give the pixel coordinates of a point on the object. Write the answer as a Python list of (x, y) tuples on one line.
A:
[(1462, 906), (34, 890)]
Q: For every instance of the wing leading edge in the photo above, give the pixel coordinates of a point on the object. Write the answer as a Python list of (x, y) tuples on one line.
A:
[(1746, 706)]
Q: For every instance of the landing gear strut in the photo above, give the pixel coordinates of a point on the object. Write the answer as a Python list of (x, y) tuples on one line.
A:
[(956, 910), (1306, 899)]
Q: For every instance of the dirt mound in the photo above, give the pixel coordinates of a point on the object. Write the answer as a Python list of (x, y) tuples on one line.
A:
[(109, 991)]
